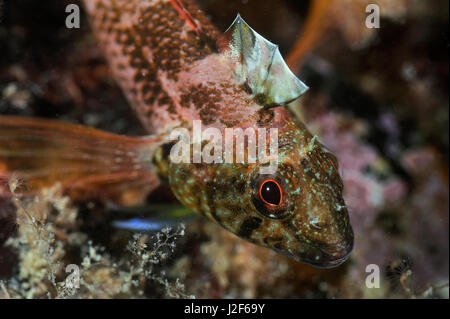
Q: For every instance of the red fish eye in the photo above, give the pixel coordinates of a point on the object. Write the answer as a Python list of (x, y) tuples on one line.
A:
[(270, 192)]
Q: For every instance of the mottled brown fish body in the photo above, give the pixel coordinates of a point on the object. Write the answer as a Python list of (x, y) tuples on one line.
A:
[(147, 44)]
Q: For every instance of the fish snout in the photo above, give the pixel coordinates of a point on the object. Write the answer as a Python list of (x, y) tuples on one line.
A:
[(339, 251)]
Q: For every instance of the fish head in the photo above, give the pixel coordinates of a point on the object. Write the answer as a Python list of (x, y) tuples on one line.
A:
[(301, 206), (295, 208)]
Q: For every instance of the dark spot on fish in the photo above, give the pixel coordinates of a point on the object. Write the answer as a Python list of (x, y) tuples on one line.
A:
[(247, 89), (265, 117), (166, 149), (248, 226), (240, 186), (278, 246), (260, 99)]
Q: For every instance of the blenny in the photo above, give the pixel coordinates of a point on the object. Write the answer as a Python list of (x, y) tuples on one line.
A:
[(175, 67)]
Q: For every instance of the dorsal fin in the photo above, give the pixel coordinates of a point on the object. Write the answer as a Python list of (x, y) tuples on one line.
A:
[(258, 63)]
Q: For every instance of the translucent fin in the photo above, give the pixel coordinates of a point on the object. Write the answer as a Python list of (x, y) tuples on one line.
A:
[(258, 63), (154, 210), (154, 217), (89, 163), (148, 224), (142, 224)]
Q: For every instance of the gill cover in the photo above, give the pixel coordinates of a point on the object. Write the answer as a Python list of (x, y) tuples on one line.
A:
[(258, 63)]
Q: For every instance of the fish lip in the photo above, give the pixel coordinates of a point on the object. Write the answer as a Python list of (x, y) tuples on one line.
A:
[(344, 247), (339, 260), (327, 260), (330, 260), (328, 263), (332, 263)]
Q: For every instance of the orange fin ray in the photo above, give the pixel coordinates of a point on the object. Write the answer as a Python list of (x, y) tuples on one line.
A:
[(88, 163)]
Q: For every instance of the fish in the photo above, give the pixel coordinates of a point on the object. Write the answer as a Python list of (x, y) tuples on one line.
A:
[(175, 69)]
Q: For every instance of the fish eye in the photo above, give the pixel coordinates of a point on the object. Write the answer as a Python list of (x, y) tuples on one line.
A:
[(269, 197), (270, 192)]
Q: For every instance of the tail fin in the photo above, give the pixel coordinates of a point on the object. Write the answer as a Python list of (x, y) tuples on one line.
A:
[(89, 163)]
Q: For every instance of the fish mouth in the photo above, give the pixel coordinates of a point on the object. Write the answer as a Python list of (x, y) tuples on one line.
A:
[(319, 259), (322, 255), (335, 261), (329, 255), (336, 254)]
